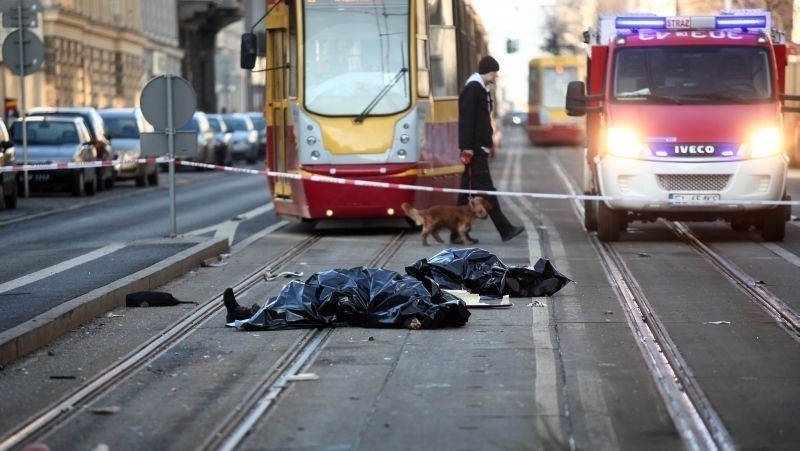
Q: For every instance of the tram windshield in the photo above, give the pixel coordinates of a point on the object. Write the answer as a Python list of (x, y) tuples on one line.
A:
[(356, 57), (554, 85), (693, 75)]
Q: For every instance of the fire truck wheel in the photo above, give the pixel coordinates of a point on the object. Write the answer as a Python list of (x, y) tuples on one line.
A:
[(773, 226), (608, 223), (590, 215)]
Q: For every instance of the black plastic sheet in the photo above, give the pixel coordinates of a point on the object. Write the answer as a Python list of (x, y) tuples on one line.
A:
[(366, 297), (481, 272), (377, 297)]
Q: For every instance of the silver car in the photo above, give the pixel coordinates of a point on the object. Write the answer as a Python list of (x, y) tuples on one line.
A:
[(123, 128), (58, 139), (223, 140), (245, 136)]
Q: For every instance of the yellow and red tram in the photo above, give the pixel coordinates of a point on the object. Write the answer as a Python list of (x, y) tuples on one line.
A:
[(366, 90), (548, 122)]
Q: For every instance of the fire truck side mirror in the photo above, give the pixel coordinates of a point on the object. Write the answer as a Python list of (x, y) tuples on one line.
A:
[(576, 98), (248, 51)]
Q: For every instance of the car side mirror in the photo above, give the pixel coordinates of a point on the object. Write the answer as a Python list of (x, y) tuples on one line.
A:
[(578, 101)]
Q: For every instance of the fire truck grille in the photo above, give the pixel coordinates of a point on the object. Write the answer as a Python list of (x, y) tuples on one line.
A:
[(693, 182)]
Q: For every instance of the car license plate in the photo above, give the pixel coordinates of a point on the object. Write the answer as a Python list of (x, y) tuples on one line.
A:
[(38, 177), (682, 198)]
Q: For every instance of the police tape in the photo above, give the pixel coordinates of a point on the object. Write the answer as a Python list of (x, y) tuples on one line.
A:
[(382, 185), (56, 165), (387, 185)]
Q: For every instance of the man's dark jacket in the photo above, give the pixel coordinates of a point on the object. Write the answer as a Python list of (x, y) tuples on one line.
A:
[(474, 123)]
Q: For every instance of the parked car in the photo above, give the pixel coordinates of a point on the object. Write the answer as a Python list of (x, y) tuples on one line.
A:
[(261, 126), (205, 137), (53, 139), (123, 128), (96, 126), (245, 136), (223, 140), (8, 185)]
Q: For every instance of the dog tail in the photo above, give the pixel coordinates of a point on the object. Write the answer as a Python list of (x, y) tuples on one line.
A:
[(412, 213)]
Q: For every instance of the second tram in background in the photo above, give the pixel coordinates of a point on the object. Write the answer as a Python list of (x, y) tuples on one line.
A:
[(364, 90), (548, 123)]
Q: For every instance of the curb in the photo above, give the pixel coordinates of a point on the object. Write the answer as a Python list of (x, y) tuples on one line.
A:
[(50, 325)]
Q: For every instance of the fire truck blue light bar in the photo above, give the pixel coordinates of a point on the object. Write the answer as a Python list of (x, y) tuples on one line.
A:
[(640, 22), (741, 21)]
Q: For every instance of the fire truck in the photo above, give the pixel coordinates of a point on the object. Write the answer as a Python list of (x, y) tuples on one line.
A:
[(684, 122)]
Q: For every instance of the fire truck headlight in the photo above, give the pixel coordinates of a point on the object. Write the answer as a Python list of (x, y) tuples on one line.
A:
[(624, 142), (765, 142)]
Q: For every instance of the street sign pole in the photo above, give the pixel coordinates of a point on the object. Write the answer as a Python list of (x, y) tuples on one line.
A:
[(22, 101), (171, 152)]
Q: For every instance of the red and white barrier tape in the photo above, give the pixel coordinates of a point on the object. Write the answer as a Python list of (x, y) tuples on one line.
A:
[(366, 183)]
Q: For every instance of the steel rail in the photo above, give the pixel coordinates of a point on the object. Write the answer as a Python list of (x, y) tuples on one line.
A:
[(234, 429), (782, 313), (60, 411)]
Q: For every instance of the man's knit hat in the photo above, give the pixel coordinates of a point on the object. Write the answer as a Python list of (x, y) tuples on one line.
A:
[(488, 64)]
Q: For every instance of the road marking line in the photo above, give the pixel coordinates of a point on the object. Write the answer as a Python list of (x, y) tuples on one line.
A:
[(63, 266)]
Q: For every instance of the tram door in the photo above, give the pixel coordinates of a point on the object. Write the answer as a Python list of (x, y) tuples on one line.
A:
[(279, 88)]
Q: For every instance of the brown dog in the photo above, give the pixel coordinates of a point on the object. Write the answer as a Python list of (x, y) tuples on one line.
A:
[(458, 219)]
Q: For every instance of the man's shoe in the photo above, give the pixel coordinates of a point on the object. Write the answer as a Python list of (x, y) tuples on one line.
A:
[(513, 232)]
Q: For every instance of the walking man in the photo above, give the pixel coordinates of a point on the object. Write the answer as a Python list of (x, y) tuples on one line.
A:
[(475, 141)]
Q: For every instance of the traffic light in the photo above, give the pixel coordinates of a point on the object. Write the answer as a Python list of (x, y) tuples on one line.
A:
[(552, 43), (512, 45)]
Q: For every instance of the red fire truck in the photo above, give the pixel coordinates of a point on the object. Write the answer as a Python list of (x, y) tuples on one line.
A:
[(684, 122)]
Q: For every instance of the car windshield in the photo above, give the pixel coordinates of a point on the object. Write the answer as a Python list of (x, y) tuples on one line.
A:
[(692, 75), (122, 127), (258, 121), (46, 133), (357, 55), (237, 124), (214, 123)]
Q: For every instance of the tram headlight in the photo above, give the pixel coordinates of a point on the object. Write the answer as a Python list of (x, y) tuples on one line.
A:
[(315, 155), (624, 142), (402, 154), (405, 139), (311, 140), (765, 142)]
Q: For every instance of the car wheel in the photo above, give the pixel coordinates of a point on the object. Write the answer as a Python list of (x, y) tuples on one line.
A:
[(773, 225), (152, 179), (590, 215), (110, 180), (91, 186), (608, 222), (10, 197), (79, 184)]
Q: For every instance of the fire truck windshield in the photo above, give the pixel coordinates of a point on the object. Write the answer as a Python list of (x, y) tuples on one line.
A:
[(692, 75)]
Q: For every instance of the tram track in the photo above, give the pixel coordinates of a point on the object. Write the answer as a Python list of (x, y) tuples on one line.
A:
[(699, 425), (61, 411)]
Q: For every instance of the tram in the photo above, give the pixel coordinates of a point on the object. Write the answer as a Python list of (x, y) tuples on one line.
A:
[(364, 90), (548, 122)]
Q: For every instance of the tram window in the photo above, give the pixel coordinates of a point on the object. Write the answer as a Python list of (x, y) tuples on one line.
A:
[(444, 66), (440, 12)]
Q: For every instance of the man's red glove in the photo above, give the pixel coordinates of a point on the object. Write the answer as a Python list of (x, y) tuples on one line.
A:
[(466, 156)]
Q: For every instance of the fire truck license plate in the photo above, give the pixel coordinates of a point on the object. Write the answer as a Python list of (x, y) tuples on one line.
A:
[(692, 198)]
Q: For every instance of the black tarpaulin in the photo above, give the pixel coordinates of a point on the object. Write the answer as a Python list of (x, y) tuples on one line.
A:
[(365, 297), (481, 272), (377, 297)]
